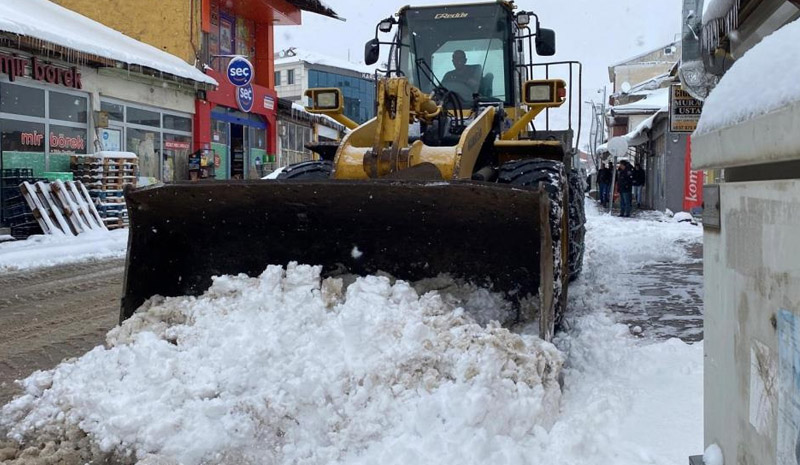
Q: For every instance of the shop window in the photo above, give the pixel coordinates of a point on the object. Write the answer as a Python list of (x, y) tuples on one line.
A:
[(277, 78), (143, 117), (21, 100), (68, 107), (114, 110), (175, 161), (290, 76), (23, 145), (147, 146), (177, 123)]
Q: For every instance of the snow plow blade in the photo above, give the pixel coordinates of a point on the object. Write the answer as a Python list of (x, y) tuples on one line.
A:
[(183, 234)]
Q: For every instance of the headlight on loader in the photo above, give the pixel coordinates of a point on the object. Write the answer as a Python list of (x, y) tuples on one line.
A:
[(544, 92), (325, 99)]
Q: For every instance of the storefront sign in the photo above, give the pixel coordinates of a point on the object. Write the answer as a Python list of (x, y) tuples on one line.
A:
[(31, 139), (14, 67), (176, 145), (62, 142), (684, 110), (111, 139), (244, 98), (269, 102), (240, 71), (693, 183)]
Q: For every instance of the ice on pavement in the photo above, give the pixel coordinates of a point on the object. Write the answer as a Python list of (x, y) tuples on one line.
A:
[(291, 368)]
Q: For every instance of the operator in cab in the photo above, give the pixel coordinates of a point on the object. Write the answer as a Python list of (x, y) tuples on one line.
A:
[(464, 79)]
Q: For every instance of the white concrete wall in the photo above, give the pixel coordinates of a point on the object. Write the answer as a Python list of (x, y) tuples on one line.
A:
[(751, 271), (115, 85)]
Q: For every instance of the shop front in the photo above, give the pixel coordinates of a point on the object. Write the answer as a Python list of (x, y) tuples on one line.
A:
[(44, 118), (235, 130)]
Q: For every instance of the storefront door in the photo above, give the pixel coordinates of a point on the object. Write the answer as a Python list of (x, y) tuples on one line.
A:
[(238, 141)]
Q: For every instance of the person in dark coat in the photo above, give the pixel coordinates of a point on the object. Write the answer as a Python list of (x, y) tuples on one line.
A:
[(625, 187), (638, 184), (604, 183)]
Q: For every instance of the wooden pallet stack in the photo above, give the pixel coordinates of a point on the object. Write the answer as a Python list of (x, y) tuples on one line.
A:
[(62, 207), (105, 175)]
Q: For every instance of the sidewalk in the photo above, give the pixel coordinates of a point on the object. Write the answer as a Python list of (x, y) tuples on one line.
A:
[(670, 299)]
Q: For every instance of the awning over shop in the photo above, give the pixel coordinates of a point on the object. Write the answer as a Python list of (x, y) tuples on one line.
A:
[(315, 6), (638, 135), (49, 26)]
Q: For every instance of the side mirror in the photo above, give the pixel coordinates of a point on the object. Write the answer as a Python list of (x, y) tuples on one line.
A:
[(372, 51), (546, 42)]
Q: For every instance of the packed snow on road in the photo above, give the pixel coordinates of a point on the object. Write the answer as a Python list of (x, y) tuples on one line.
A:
[(289, 367)]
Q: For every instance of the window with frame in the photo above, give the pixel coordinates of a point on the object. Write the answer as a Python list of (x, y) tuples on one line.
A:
[(277, 78), (290, 76)]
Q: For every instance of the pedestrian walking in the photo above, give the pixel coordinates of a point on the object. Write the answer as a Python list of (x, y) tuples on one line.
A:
[(625, 187), (604, 182), (638, 184)]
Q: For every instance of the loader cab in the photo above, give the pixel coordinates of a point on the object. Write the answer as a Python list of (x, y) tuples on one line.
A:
[(468, 49)]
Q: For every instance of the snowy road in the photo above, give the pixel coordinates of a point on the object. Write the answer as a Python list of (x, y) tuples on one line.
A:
[(47, 314), (287, 368)]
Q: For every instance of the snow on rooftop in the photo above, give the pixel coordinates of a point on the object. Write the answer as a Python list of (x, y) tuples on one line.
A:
[(637, 135), (289, 368), (300, 108), (654, 100), (323, 60), (763, 80), (50, 22), (714, 9)]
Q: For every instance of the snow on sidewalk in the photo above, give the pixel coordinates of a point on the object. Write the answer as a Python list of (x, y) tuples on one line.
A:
[(42, 250), (288, 368)]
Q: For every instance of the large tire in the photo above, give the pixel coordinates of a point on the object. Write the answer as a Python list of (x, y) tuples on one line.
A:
[(314, 169), (550, 175), (577, 225)]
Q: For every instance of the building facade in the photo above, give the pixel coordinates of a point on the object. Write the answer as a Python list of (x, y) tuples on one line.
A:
[(233, 127), (297, 70), (751, 224), (96, 90)]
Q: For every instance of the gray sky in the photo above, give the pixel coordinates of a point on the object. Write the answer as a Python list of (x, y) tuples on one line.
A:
[(595, 32)]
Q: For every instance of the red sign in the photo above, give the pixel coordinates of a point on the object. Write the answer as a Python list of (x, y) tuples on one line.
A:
[(14, 66), (693, 182), (62, 142), (176, 145)]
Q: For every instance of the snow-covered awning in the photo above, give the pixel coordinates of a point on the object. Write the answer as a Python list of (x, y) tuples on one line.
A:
[(654, 101), (638, 135), (46, 21), (315, 6)]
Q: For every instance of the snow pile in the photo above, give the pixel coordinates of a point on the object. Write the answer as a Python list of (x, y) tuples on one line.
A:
[(742, 95), (713, 455), (289, 368), (45, 20), (44, 250)]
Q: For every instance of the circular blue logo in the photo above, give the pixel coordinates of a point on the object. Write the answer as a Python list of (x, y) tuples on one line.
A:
[(245, 97), (240, 71)]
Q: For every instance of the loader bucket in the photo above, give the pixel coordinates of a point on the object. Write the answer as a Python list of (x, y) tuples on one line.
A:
[(183, 234)]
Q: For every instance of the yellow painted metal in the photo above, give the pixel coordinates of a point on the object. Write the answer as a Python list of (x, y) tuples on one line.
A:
[(469, 146), (521, 120), (336, 111), (520, 124)]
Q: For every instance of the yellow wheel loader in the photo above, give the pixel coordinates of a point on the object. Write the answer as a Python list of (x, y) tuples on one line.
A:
[(451, 176)]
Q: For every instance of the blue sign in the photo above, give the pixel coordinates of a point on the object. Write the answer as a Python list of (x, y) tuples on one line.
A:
[(240, 71), (245, 97)]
